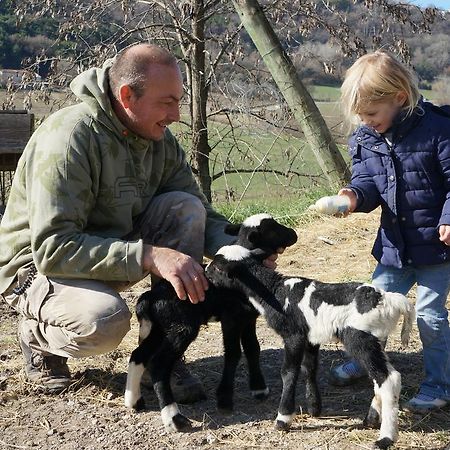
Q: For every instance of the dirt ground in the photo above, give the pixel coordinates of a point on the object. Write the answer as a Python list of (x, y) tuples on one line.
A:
[(91, 414)]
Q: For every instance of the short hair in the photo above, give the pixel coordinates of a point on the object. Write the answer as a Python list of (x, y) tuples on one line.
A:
[(375, 78), (131, 65)]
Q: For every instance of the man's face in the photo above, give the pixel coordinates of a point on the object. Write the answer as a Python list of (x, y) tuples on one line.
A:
[(158, 107)]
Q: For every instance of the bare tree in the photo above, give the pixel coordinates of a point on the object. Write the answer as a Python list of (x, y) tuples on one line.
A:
[(293, 90), (225, 79)]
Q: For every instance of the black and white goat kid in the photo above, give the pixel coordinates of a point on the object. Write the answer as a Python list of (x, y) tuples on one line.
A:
[(307, 313), (169, 325)]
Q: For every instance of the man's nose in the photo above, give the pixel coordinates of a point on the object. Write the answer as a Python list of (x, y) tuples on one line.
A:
[(174, 113)]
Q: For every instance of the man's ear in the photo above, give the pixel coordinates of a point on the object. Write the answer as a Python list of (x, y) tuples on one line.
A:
[(232, 229), (125, 96)]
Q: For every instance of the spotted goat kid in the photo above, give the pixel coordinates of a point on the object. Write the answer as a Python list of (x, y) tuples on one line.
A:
[(307, 313)]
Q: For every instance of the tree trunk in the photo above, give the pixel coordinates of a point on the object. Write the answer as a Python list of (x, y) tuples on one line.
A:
[(200, 146), (297, 97)]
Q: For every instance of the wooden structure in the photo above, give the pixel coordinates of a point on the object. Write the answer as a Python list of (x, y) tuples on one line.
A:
[(16, 127)]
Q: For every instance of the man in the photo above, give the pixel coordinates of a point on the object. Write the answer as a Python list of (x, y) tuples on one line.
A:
[(103, 196)]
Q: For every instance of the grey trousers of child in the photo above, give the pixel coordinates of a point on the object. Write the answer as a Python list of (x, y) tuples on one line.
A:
[(78, 317)]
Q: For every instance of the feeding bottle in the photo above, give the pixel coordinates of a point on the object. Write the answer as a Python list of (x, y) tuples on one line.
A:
[(334, 204)]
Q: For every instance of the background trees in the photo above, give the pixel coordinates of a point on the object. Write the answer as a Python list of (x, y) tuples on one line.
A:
[(227, 84)]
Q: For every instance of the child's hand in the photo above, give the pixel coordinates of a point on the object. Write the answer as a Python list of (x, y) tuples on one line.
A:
[(444, 234), (352, 196)]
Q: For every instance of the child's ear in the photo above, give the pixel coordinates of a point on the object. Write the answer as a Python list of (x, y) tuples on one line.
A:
[(401, 98)]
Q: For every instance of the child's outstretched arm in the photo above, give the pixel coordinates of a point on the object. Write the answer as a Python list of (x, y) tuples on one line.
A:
[(362, 183)]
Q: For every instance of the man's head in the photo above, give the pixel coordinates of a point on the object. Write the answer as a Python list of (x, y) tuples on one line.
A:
[(146, 86)]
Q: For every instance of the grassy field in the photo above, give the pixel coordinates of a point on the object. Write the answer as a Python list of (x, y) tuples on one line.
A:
[(291, 179)]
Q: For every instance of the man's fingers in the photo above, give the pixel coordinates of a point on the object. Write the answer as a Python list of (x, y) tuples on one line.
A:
[(194, 287), (178, 286)]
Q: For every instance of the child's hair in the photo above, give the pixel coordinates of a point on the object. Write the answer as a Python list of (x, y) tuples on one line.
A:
[(375, 78)]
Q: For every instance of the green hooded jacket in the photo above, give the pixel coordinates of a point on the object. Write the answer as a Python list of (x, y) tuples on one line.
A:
[(80, 182)]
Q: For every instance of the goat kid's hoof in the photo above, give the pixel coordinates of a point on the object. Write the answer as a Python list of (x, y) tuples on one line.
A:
[(139, 405), (372, 420), (314, 410), (178, 423), (383, 443), (225, 404), (282, 426)]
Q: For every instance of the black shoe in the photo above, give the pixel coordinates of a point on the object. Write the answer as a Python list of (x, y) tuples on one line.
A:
[(49, 372), (186, 388)]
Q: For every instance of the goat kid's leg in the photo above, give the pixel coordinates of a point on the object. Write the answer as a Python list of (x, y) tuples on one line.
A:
[(309, 366), (383, 410), (252, 352), (160, 371), (293, 355), (231, 332), (139, 359), (388, 391)]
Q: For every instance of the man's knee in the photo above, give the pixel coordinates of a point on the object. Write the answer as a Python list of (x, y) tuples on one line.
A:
[(186, 205), (96, 323), (107, 333)]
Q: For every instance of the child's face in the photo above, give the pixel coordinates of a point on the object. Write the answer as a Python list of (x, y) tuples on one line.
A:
[(380, 116)]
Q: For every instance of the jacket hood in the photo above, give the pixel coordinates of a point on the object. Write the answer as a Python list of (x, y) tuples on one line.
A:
[(92, 87)]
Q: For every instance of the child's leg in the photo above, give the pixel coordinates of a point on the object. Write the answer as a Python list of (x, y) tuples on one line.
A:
[(432, 320)]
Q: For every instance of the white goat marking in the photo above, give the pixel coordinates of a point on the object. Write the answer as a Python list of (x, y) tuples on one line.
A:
[(255, 220), (285, 418), (168, 413), (389, 392), (234, 252), (257, 306), (379, 321), (145, 327), (133, 387), (291, 282)]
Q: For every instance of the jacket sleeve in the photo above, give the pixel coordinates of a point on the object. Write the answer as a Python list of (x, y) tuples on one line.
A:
[(362, 183), (444, 161), (181, 178), (61, 195)]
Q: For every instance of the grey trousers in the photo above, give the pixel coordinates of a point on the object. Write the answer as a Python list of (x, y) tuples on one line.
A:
[(78, 317)]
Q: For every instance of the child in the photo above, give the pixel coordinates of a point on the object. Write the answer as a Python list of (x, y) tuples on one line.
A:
[(401, 161)]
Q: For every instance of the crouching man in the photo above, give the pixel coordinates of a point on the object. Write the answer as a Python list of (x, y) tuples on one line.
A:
[(102, 197)]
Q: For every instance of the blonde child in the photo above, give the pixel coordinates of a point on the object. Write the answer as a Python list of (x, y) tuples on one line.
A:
[(401, 161)]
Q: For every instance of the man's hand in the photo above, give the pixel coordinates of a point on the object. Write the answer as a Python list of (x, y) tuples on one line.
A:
[(184, 273), (271, 261), (444, 234)]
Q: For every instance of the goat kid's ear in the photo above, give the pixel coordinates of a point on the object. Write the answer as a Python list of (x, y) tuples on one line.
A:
[(253, 237), (232, 229)]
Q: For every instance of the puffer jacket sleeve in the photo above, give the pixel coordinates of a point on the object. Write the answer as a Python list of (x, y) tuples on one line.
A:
[(181, 178), (362, 183), (61, 197), (444, 161)]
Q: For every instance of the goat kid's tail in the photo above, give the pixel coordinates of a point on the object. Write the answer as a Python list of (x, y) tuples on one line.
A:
[(406, 309)]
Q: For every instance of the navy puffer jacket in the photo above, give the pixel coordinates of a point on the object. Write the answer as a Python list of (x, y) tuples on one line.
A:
[(410, 179)]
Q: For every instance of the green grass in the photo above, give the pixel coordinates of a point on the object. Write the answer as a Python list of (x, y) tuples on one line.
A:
[(290, 210)]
